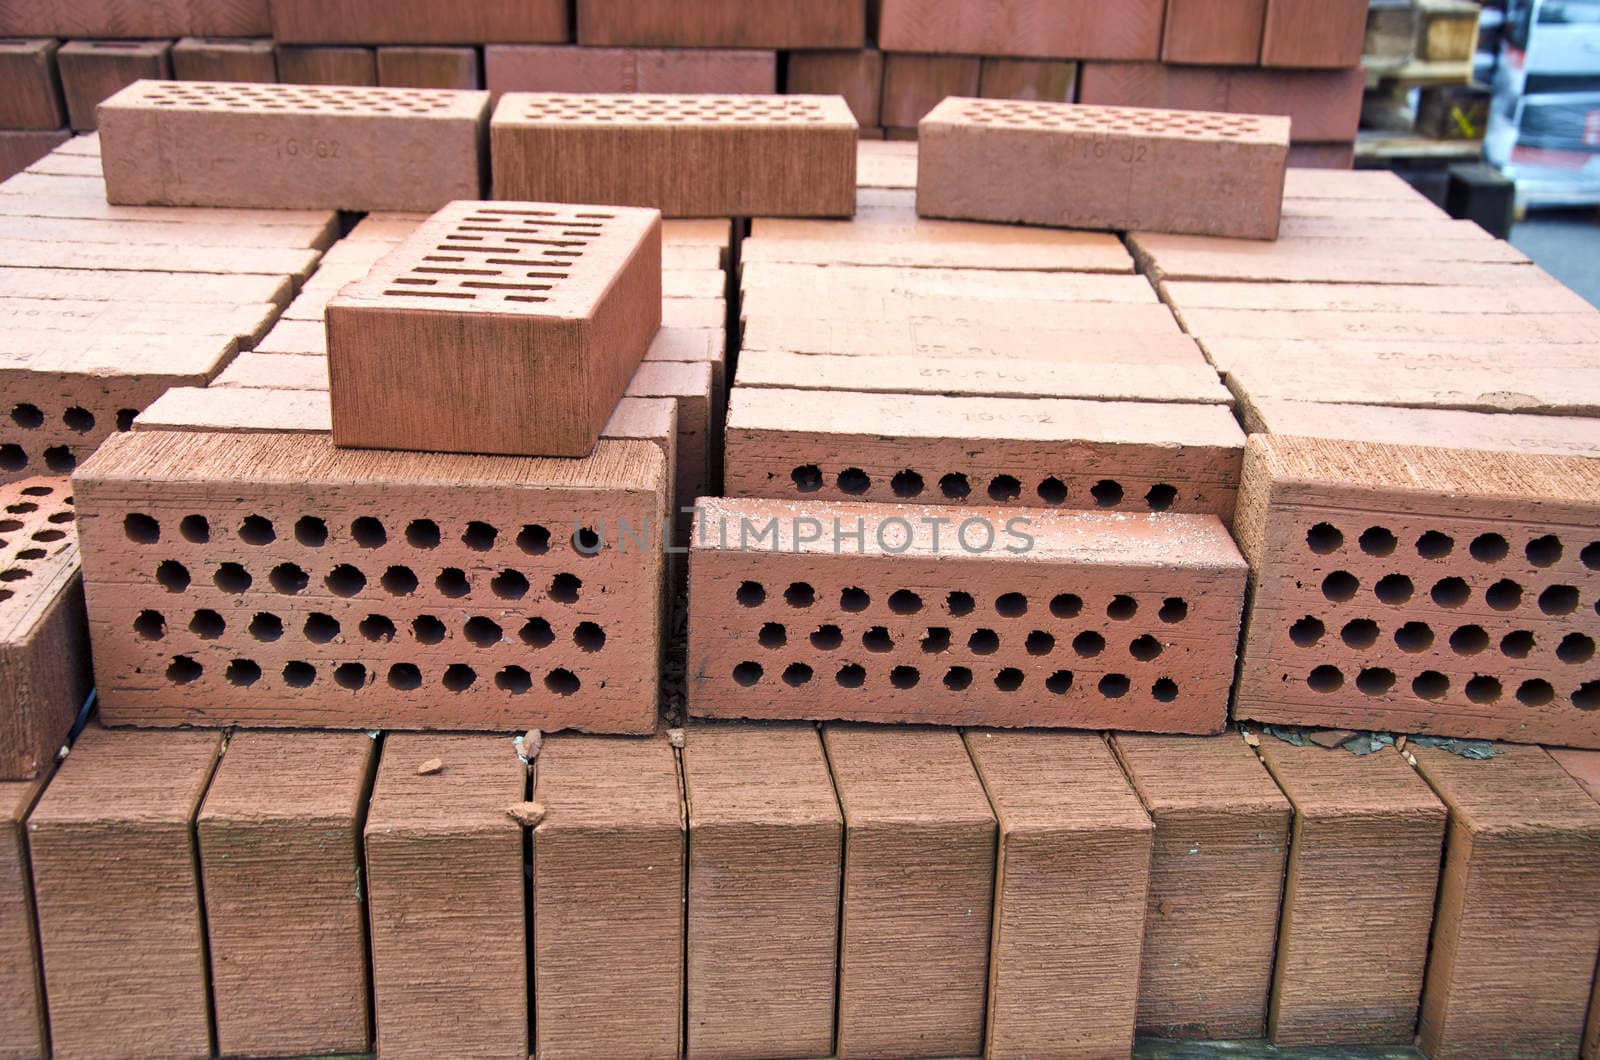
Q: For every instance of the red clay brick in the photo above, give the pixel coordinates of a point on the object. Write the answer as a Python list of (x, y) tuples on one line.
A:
[(1323, 104), (566, 68), (1048, 29), (20, 149), (1408, 327), (44, 639), (33, 90), (1524, 301), (1027, 79), (1341, 155), (1358, 897), (856, 75), (152, 18), (1584, 767), (1314, 33), (690, 388), (111, 842), (94, 70), (1412, 589), (238, 410), (408, 67), (224, 59), (418, 21), (1073, 867), (777, 312), (608, 898), (178, 232), (1455, 263), (280, 852), (789, 613), (1519, 904), (753, 155), (539, 298), (769, 285), (395, 612), (761, 955), (323, 65), (155, 257), (914, 84), (1104, 167), (293, 147), (22, 1018), (1213, 32), (447, 897), (723, 24), (1216, 881), (1555, 435)]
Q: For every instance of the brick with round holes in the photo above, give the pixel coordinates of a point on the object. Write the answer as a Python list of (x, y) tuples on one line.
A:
[(1103, 621), (1104, 167), (1412, 589), (516, 326), (273, 580), (292, 146)]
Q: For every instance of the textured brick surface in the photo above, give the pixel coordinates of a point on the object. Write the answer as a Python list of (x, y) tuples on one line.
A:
[(855, 75), (1341, 155), (723, 24), (1073, 867), (1421, 590), (1029, 79), (112, 842), (1358, 897), (918, 892), (537, 298), (1555, 435), (280, 853), (94, 70), (1517, 929), (20, 149), (1216, 880), (418, 21), (1051, 29), (1584, 767), (22, 1018), (765, 843), (752, 155), (566, 68), (608, 898), (772, 285), (793, 618), (1314, 33), (33, 89), (1323, 104), (1213, 32), (224, 59), (1525, 301), (44, 638), (292, 584), (447, 897), (429, 68), (914, 84), (1104, 167), (326, 65), (690, 387), (288, 146), (152, 18)]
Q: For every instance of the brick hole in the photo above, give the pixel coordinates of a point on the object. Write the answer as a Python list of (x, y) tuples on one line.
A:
[(877, 639), (1575, 648), (6, 594), (1435, 545), (399, 581), (1587, 697), (1174, 609), (514, 679), (265, 627), (1489, 548), (1106, 493), (1114, 686), (207, 624), (1009, 679), (350, 676), (906, 602), (854, 481), (404, 677), (25, 507), (1011, 605), (141, 529), (827, 638), (1504, 595), (242, 673), (1059, 683), (1340, 586), (1004, 488), (1518, 644), (1469, 640), (1053, 491), (1324, 538), (747, 674), (851, 675), (12, 457), (289, 579), (1544, 551), (458, 677), (1122, 608), (183, 670), (955, 486), (771, 635), (27, 416), (1165, 690), (345, 581), (1307, 632), (479, 537), (9, 526), (48, 536), (150, 625), (1375, 681), (173, 576), (905, 677), (62, 517), (59, 458), (1559, 600), (483, 632), (751, 594), (1378, 541), (1144, 648), (983, 642), (1535, 692), (854, 600), (424, 534), (959, 603), (1325, 679), (906, 484), (1359, 633), (1066, 605), (368, 532), (379, 629), (1394, 589), (797, 674), (1431, 684), (1483, 689), (1161, 497), (807, 478), (800, 594), (1040, 643), (513, 585), (1088, 644), (935, 642), (537, 633), (320, 628), (29, 554), (15, 574), (125, 418), (586, 541), (452, 582), (38, 491), (195, 529), (1591, 555)]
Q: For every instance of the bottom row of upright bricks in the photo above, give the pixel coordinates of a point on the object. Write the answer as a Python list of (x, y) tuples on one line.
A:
[(735, 889)]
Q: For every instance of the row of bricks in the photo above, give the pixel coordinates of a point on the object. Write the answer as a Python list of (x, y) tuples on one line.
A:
[(923, 893)]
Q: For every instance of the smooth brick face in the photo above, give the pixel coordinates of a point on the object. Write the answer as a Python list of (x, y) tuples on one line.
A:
[(33, 90), (418, 21), (1213, 32), (902, 631), (1410, 589), (1517, 907), (1073, 869), (1364, 852), (325, 65), (566, 68), (429, 68), (22, 1018), (20, 149), (855, 75), (112, 842), (1312, 33), (608, 879), (280, 853), (221, 59), (918, 892), (1103, 167), (1216, 880), (753, 155), (1047, 29), (44, 638), (292, 584), (447, 898), (1553, 435), (761, 954), (93, 70), (914, 84), (1323, 156), (1584, 767), (1027, 79), (568, 323), (723, 24), (1322, 104), (149, 18), (293, 147)]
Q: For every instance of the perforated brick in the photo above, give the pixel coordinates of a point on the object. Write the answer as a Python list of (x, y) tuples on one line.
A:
[(1104, 167), (1323, 105), (44, 639), (95, 70), (448, 898), (111, 841), (280, 854), (33, 89), (608, 905), (1358, 897), (1517, 929), (1072, 871), (22, 1018), (224, 59), (1056, 453), (152, 18), (544, 302), (752, 156), (722, 24), (857, 75), (1013, 618), (1421, 590), (418, 21), (321, 64), (1213, 32), (1065, 29), (273, 580), (568, 68), (288, 146), (1216, 881)]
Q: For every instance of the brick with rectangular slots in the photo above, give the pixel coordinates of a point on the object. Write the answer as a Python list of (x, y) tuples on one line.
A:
[(96, 70), (280, 854), (722, 24), (919, 873), (516, 325), (1105, 167), (447, 897), (1584, 767), (44, 636), (22, 1018), (1044, 453), (608, 878), (273, 580), (1519, 904), (291, 146), (1046, 29), (1364, 851), (1213, 32), (1216, 881), (33, 89), (418, 21), (761, 956), (1075, 620), (752, 156), (112, 842), (224, 59), (1410, 589), (1073, 868)]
